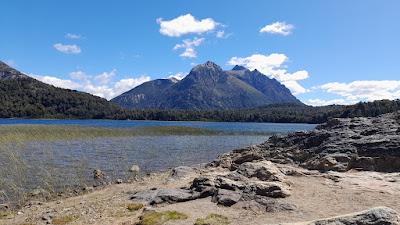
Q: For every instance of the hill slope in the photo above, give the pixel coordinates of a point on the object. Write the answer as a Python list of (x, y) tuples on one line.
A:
[(208, 87), (23, 96)]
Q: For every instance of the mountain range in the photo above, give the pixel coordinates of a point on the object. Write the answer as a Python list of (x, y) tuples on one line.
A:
[(208, 87)]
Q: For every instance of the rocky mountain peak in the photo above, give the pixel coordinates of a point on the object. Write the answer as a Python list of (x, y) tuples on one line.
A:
[(208, 66), (238, 68), (7, 72)]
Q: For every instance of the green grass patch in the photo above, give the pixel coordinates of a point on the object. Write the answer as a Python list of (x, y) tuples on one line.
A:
[(134, 206), (24, 133), (213, 219), (158, 218), (62, 220), (6, 215)]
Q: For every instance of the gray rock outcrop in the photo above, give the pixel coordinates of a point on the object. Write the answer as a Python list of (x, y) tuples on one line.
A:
[(338, 145)]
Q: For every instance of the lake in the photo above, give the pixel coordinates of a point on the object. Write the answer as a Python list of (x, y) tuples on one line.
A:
[(57, 164)]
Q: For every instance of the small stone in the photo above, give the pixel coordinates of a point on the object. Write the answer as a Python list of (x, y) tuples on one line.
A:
[(134, 169), (119, 181), (98, 174)]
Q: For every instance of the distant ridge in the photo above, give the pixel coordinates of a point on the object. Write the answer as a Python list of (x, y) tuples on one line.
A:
[(208, 87), (24, 96)]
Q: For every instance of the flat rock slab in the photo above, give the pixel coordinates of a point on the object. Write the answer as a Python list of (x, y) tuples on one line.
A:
[(374, 216), (160, 196)]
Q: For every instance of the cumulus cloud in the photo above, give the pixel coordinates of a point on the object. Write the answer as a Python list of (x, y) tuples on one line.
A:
[(105, 77), (67, 49), (100, 85), (364, 90), (73, 36), (185, 24), (281, 28), (189, 47), (178, 76), (57, 82), (273, 66)]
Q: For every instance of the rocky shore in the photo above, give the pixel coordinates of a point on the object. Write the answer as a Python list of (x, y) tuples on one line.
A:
[(345, 166)]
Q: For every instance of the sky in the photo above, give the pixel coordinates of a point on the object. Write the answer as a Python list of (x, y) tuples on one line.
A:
[(325, 52)]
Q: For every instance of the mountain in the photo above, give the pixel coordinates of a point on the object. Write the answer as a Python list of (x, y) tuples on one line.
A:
[(24, 96), (208, 87), (145, 95)]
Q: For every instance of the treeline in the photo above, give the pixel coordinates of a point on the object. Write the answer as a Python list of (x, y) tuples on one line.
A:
[(29, 98), (284, 113)]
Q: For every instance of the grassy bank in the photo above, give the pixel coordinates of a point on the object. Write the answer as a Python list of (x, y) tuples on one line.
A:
[(24, 133)]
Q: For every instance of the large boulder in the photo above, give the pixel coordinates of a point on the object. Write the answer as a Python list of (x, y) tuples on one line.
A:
[(263, 170)]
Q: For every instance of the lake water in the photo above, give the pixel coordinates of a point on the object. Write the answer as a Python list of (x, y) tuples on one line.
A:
[(64, 164)]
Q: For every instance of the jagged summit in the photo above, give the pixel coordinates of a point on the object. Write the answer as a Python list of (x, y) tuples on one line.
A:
[(7, 72), (238, 68), (208, 66)]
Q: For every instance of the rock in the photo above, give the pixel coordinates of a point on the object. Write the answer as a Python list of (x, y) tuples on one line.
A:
[(98, 174), (181, 172), (268, 189), (87, 188), (264, 170), (119, 181), (229, 184), (39, 193), (4, 207), (338, 145), (159, 196), (146, 195), (173, 196), (227, 197), (135, 169), (374, 216)]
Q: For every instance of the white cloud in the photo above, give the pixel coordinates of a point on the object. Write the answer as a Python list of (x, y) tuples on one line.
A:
[(281, 28), (101, 85), (73, 36), (57, 82), (67, 49), (79, 75), (222, 34), (185, 24), (189, 46), (178, 76), (364, 90), (105, 77), (273, 66), (127, 84), (322, 102)]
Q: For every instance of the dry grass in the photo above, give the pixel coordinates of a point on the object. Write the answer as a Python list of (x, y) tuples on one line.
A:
[(158, 218), (24, 133), (213, 219), (62, 220), (134, 206)]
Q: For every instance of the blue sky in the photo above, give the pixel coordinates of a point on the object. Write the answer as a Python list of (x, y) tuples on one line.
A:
[(324, 51)]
